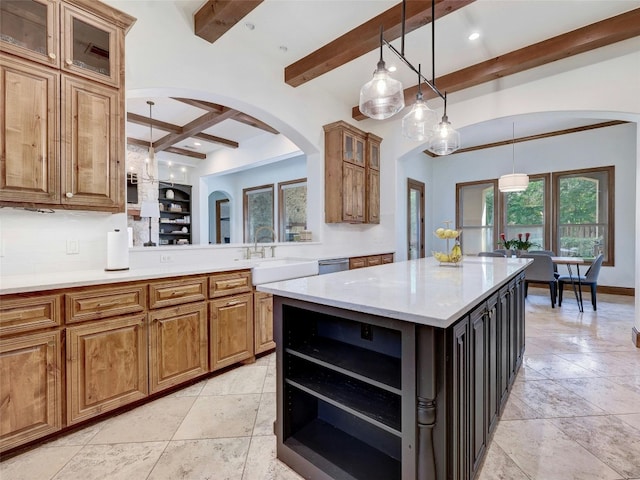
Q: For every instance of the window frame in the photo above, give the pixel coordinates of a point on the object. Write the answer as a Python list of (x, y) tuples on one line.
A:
[(281, 205), (547, 209), (610, 170), (496, 208), (246, 235)]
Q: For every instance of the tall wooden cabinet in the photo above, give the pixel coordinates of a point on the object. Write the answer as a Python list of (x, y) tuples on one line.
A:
[(352, 175), (62, 118)]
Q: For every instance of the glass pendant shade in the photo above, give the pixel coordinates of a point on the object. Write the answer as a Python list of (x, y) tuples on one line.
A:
[(513, 182), (382, 96), (444, 139), (418, 124)]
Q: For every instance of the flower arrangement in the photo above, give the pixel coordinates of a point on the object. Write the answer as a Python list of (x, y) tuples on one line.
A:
[(517, 243)]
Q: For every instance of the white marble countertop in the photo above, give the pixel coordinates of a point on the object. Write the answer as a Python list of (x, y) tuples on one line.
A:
[(419, 291), (56, 280)]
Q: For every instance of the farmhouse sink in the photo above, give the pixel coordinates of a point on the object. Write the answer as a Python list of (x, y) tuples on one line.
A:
[(276, 269)]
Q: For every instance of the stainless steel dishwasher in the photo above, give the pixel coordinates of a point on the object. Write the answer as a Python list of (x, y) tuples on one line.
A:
[(332, 265)]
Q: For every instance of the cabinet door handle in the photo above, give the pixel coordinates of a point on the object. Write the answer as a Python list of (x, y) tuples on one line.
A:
[(69, 62), (231, 304), (52, 56), (69, 194)]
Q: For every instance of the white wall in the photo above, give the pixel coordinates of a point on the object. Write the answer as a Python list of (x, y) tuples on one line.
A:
[(606, 80)]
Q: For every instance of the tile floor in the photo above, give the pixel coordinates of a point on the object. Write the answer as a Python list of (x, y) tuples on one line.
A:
[(573, 413)]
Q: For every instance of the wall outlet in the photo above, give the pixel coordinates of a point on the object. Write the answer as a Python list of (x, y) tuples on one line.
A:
[(166, 258), (73, 246), (365, 332)]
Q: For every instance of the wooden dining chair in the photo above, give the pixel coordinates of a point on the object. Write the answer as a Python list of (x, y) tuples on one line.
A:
[(590, 278), (541, 271)]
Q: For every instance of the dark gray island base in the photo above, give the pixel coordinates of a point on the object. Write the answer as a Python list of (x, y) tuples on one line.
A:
[(367, 397)]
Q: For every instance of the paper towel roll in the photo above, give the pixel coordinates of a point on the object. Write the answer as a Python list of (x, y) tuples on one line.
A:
[(130, 234), (117, 250)]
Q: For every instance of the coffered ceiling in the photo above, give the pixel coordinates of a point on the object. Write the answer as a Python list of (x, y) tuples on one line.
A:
[(332, 45)]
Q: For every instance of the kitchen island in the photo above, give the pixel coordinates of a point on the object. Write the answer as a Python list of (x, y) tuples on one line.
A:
[(398, 371)]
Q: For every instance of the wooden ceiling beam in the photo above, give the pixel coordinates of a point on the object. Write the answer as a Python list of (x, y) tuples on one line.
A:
[(213, 139), (178, 151), (599, 34), (538, 136), (201, 104), (186, 153), (216, 17), (366, 38), (254, 122), (142, 120), (196, 126)]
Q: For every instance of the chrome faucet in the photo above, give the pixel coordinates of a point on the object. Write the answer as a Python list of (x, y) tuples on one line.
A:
[(255, 251)]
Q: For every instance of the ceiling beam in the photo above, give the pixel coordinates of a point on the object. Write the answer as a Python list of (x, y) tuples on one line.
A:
[(240, 117), (539, 136), (366, 38), (186, 153), (142, 120), (208, 106), (216, 17), (599, 34), (178, 151), (213, 139), (196, 126)]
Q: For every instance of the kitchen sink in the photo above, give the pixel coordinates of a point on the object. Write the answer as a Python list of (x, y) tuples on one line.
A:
[(276, 269)]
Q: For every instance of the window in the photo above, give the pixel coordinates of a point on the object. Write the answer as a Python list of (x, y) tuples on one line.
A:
[(258, 212), (292, 209), (476, 215), (528, 212), (583, 212)]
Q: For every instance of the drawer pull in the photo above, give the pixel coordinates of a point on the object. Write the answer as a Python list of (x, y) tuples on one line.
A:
[(178, 293), (231, 304), (107, 304), (237, 283)]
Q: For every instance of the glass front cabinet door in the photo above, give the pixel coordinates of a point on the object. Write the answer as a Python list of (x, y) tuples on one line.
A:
[(90, 47), (29, 29)]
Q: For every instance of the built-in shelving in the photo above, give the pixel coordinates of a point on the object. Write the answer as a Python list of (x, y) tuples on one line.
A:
[(175, 214)]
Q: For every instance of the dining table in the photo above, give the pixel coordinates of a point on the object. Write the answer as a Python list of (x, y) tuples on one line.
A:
[(569, 261)]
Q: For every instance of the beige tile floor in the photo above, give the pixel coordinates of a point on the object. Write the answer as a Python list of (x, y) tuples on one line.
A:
[(573, 413)]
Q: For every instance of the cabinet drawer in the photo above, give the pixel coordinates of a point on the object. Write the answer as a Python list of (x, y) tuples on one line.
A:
[(229, 283), (387, 258), (99, 303), (165, 294), (23, 314), (357, 262), (374, 260)]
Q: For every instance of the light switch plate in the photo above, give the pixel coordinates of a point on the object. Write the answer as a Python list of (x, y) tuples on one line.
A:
[(73, 246)]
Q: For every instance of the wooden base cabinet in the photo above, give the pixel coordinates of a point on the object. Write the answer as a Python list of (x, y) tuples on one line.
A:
[(107, 366), (263, 319), (31, 387), (178, 345), (231, 327)]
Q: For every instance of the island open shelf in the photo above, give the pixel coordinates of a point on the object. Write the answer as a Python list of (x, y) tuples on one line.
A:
[(364, 396)]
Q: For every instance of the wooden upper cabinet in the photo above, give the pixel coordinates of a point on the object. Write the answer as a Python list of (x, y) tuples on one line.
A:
[(91, 169), (29, 29), (352, 180), (91, 47), (30, 163)]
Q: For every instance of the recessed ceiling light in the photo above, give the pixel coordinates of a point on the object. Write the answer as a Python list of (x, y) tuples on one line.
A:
[(474, 36), (283, 48), (197, 144), (183, 169), (392, 68), (169, 163), (250, 25)]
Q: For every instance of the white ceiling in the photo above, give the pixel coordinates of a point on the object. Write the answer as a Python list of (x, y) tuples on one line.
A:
[(303, 26)]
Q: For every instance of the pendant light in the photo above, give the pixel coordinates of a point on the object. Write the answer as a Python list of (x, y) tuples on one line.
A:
[(382, 96), (419, 122), (150, 161), (444, 139), (513, 182)]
